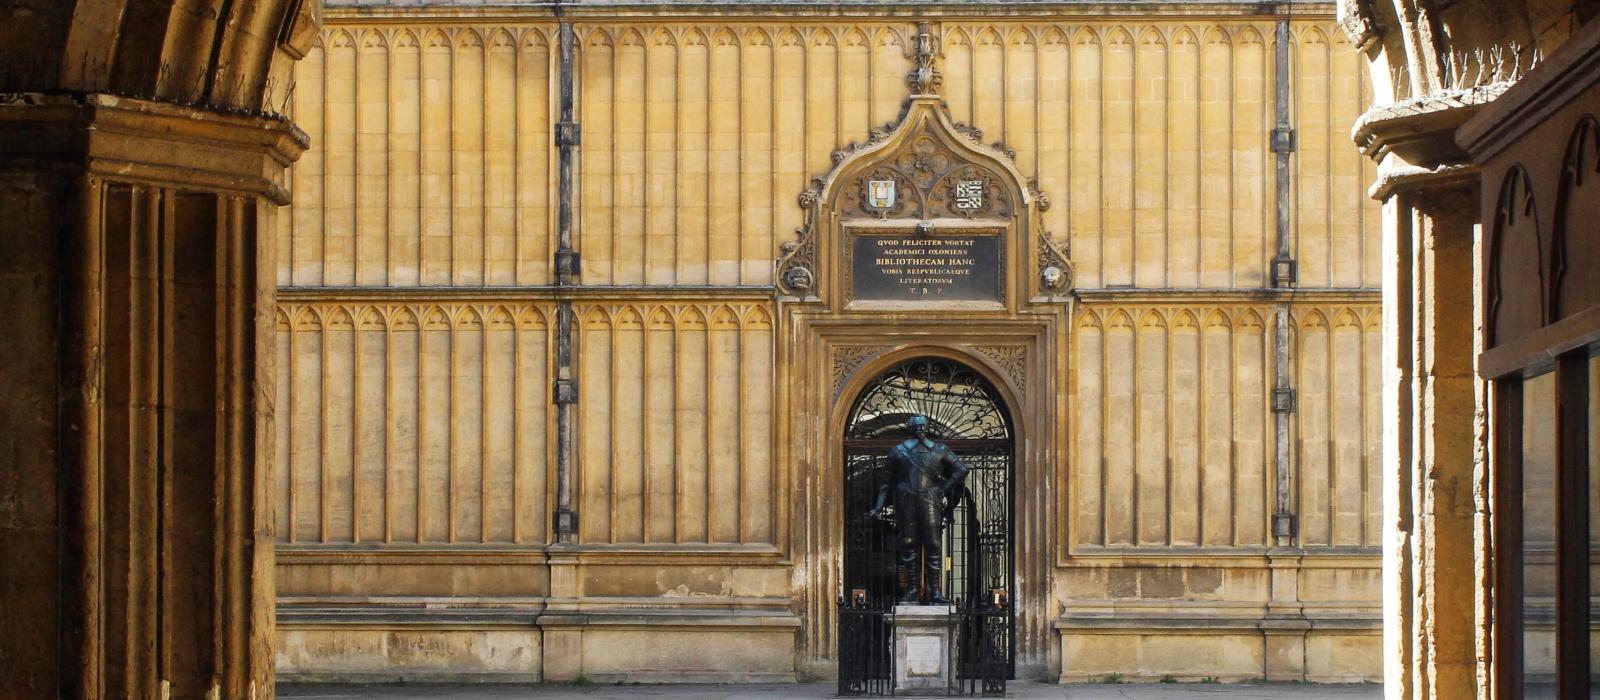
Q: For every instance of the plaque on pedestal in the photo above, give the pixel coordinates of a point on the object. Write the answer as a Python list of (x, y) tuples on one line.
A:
[(924, 649)]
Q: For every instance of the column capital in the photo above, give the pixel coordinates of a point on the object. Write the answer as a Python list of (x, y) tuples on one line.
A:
[(143, 141)]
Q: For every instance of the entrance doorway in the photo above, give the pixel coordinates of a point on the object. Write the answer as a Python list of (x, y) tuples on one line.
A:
[(966, 413)]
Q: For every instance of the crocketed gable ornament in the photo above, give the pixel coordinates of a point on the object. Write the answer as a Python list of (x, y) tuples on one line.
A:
[(924, 166)]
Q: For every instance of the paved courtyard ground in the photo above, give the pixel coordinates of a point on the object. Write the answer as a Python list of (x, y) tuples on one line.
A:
[(1026, 691)]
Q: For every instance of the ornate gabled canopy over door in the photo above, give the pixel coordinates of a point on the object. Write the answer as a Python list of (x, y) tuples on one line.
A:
[(923, 242), (923, 213)]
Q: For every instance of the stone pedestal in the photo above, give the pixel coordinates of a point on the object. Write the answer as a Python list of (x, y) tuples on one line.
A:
[(924, 649)]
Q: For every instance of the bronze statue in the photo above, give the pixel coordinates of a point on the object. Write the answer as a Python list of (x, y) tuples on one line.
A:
[(923, 473)]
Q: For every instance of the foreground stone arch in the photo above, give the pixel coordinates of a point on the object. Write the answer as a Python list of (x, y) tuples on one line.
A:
[(141, 162), (1441, 72)]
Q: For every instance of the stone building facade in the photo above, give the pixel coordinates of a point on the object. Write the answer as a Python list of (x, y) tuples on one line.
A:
[(142, 161), (516, 443)]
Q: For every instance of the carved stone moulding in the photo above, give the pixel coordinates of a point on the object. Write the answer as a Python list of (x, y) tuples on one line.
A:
[(793, 270), (129, 139), (923, 166), (930, 179), (1055, 267), (849, 358), (1012, 359)]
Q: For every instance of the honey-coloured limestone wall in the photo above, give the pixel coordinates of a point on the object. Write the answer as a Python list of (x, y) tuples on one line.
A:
[(417, 334)]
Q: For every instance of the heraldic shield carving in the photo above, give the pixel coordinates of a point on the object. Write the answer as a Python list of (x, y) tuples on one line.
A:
[(925, 174)]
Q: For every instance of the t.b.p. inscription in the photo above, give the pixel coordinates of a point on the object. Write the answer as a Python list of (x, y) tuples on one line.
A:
[(954, 266)]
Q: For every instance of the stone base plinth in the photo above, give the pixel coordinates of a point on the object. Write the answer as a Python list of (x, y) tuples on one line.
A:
[(1219, 647), (924, 649)]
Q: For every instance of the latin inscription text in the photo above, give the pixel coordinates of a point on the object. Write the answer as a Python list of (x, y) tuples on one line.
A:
[(932, 268)]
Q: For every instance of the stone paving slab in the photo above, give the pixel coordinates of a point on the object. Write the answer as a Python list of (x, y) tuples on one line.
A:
[(1025, 691)]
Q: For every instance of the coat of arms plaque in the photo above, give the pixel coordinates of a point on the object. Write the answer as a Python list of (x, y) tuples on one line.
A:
[(969, 195), (880, 194)]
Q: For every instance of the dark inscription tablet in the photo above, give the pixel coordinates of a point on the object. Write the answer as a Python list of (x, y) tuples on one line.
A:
[(925, 268)]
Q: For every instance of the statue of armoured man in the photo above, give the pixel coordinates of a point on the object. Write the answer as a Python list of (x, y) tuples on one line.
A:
[(921, 475)]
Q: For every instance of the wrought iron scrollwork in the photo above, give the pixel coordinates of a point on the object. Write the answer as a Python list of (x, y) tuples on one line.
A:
[(958, 402)]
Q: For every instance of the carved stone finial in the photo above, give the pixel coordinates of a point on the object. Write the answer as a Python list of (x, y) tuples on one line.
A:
[(1041, 199), (1357, 20), (924, 79)]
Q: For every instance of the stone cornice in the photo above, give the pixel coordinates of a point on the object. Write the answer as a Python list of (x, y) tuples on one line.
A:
[(1395, 179), (528, 293), (1213, 297), (337, 13), (1421, 131), (460, 554), (143, 141), (686, 611)]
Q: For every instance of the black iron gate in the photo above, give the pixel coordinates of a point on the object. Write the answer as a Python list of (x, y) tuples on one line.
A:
[(966, 413)]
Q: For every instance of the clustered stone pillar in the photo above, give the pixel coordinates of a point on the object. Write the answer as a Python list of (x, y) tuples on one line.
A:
[(1432, 489), (1435, 491), (1432, 67), (136, 282)]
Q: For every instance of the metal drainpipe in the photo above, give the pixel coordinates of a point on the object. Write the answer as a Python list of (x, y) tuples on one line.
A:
[(1284, 523), (565, 389)]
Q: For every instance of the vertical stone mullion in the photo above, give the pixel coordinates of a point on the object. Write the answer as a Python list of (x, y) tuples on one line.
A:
[(1397, 331), (144, 459), (241, 609), (168, 411), (82, 404), (112, 518)]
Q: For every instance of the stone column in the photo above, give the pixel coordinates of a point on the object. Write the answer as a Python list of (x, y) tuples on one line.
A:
[(1434, 487), (136, 428)]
